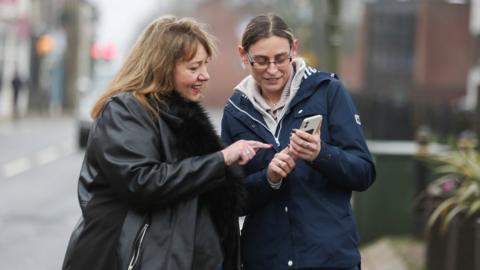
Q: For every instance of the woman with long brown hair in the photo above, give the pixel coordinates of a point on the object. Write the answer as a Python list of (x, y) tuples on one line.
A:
[(157, 190)]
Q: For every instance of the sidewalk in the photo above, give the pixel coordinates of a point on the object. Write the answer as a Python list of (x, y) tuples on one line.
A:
[(29, 125), (6, 106), (393, 254)]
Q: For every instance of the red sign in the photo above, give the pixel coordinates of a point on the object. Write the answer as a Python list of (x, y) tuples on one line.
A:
[(8, 1), (106, 51)]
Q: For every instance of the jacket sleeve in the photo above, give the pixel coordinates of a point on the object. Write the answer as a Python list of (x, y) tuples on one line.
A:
[(258, 189), (126, 146), (345, 159)]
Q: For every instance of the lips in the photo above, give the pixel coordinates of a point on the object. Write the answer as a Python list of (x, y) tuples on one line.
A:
[(196, 88), (272, 80)]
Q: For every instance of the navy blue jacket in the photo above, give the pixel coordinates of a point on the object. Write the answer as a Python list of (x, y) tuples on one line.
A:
[(308, 222)]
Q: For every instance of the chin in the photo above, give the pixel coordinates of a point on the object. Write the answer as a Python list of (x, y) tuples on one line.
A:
[(195, 98)]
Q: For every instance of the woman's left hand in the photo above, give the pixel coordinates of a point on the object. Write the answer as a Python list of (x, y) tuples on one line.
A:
[(304, 145)]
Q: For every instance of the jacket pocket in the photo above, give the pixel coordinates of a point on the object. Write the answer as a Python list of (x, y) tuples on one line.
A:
[(137, 245)]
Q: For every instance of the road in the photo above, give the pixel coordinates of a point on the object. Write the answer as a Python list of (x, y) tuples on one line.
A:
[(39, 167)]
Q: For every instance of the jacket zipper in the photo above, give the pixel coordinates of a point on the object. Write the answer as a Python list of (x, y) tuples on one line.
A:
[(138, 246), (275, 136)]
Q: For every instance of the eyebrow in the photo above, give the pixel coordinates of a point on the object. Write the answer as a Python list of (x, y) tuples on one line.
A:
[(199, 62), (279, 54)]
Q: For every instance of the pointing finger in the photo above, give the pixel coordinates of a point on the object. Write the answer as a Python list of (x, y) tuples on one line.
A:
[(258, 145)]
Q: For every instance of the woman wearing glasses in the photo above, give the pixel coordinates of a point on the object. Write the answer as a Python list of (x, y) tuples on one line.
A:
[(299, 214)]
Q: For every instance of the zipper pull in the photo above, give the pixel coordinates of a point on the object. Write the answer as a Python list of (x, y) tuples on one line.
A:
[(131, 264), (277, 141)]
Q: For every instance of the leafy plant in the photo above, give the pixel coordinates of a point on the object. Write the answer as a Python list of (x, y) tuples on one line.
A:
[(458, 183)]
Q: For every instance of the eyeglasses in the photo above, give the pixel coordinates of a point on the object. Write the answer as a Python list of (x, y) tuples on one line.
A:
[(261, 62)]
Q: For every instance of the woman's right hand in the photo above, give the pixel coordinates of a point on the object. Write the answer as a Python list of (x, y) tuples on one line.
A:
[(240, 152)]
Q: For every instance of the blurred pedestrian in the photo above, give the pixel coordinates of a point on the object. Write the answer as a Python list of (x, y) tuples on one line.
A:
[(298, 214), (157, 190), (17, 85)]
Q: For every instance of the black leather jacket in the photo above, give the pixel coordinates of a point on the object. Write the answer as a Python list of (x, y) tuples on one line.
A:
[(154, 194)]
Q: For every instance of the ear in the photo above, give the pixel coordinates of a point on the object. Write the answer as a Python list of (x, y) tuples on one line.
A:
[(243, 55), (295, 46)]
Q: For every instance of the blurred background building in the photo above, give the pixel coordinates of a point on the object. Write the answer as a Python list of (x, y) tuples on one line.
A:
[(411, 60), (416, 62)]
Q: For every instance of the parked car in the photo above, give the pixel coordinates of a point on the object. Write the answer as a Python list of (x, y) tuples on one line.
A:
[(88, 97)]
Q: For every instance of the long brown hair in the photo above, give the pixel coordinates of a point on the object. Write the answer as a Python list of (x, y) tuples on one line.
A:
[(148, 70)]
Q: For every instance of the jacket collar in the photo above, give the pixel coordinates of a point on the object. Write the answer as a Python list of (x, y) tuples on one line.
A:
[(171, 119), (310, 84), (304, 83), (178, 108)]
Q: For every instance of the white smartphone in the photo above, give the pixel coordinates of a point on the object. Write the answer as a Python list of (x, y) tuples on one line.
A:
[(312, 124)]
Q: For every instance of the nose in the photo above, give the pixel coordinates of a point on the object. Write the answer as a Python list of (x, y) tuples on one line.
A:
[(272, 68), (204, 76)]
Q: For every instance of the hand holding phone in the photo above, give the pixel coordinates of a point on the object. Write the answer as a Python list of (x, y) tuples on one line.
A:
[(312, 124), (303, 146)]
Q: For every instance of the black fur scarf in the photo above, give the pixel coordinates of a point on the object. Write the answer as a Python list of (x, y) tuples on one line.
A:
[(197, 136)]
